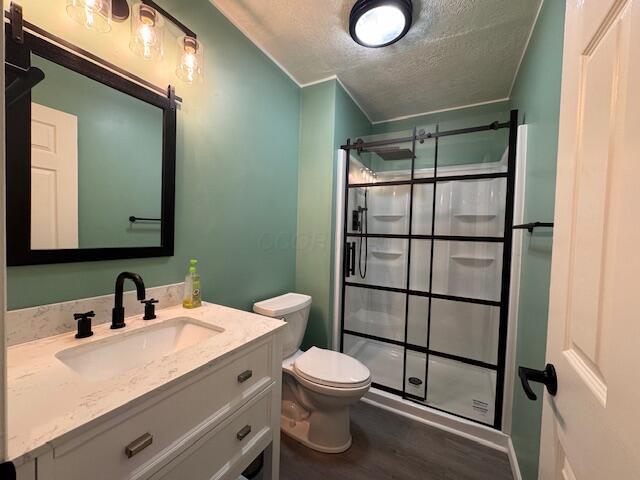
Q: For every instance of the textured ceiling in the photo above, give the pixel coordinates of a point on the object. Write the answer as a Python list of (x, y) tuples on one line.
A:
[(458, 52)]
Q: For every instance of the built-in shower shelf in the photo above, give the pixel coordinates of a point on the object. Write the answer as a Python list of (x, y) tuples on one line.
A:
[(386, 253), (475, 214), (389, 216), (473, 259)]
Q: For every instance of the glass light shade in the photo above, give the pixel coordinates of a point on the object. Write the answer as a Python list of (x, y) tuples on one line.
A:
[(147, 32), (190, 67), (380, 25), (92, 14)]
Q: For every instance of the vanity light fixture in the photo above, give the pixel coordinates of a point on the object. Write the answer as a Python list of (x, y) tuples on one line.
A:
[(378, 23), (190, 59), (92, 14), (147, 32)]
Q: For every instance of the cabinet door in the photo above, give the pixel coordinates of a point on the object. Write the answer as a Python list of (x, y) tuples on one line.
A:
[(226, 451), (26, 471)]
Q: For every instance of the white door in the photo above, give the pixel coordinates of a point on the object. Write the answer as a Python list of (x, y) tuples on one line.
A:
[(591, 428), (54, 179)]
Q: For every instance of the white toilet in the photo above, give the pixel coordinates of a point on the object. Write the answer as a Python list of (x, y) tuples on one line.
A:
[(318, 385)]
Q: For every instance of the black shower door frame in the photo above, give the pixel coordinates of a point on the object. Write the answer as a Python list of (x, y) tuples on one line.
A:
[(505, 240)]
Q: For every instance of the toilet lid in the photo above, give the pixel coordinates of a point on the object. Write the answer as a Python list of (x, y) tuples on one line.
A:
[(332, 369)]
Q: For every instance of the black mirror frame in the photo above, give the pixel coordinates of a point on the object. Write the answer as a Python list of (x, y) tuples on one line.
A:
[(18, 164)]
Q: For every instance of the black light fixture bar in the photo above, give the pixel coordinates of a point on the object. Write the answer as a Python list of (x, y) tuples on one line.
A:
[(187, 31), (94, 58)]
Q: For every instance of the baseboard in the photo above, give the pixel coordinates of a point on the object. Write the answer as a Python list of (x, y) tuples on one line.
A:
[(486, 436), (513, 460)]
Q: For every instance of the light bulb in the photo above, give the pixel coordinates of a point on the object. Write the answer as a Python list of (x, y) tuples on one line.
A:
[(148, 38), (88, 7), (146, 32), (190, 59), (92, 14), (189, 64)]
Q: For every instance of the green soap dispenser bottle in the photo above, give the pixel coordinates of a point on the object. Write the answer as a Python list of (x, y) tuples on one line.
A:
[(192, 287)]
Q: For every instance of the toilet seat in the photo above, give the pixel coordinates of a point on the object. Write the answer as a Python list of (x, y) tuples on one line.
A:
[(331, 369)]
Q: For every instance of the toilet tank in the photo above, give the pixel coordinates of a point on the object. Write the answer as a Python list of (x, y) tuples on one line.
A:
[(293, 308)]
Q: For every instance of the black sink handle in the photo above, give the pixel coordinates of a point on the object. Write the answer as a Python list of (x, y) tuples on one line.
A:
[(547, 377)]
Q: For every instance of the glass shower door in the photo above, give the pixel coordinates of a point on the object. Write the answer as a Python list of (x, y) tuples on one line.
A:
[(426, 266)]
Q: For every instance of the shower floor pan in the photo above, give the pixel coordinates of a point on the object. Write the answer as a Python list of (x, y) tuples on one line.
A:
[(453, 386)]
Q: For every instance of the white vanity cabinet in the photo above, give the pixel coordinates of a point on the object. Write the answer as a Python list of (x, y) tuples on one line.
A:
[(209, 424)]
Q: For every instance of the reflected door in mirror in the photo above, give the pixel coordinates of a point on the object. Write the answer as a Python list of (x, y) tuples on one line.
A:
[(54, 178)]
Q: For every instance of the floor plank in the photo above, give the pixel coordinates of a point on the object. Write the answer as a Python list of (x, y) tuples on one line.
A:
[(387, 446)]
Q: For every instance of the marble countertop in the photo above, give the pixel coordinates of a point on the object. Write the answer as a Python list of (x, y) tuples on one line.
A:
[(46, 399)]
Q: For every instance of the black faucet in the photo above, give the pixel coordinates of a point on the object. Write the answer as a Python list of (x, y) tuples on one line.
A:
[(117, 316)]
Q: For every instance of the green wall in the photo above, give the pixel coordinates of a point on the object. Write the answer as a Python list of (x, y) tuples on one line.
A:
[(448, 120), (119, 157), (536, 94), (482, 147), (328, 117), (236, 186)]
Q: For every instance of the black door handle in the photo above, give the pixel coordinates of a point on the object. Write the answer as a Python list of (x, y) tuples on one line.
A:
[(8, 471), (547, 377), (350, 260)]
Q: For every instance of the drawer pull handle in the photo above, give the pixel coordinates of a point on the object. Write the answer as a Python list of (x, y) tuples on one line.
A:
[(244, 376), (244, 431), (138, 445)]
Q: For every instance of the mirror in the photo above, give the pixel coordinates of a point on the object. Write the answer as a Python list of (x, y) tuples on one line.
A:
[(96, 160), (90, 162)]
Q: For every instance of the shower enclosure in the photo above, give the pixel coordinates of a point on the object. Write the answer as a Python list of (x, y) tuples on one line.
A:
[(426, 263)]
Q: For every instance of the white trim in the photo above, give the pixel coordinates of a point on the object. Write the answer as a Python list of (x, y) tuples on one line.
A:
[(526, 47), (316, 82), (513, 461), (486, 436), (245, 32), (413, 115), (344, 87), (341, 163), (514, 290)]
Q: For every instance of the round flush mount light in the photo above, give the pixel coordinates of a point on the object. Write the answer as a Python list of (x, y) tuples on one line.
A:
[(378, 23)]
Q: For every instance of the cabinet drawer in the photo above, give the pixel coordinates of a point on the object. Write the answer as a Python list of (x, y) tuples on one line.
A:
[(165, 425), (227, 450)]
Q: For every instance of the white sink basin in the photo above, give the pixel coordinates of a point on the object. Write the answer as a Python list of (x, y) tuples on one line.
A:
[(111, 356)]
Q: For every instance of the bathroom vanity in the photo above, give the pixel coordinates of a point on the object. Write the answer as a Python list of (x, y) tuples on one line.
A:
[(192, 394)]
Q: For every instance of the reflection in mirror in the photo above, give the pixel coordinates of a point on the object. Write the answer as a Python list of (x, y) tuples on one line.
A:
[(96, 160)]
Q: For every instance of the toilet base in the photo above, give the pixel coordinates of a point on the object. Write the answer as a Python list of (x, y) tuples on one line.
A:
[(299, 431)]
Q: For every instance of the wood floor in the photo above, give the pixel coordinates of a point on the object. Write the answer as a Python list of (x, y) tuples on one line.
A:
[(388, 446)]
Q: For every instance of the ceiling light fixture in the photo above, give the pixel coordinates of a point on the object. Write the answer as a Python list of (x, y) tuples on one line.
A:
[(378, 23)]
